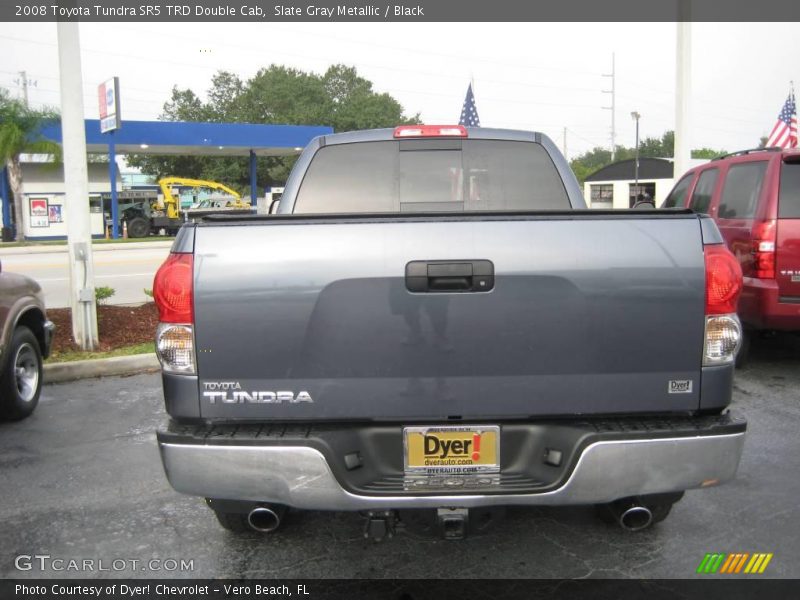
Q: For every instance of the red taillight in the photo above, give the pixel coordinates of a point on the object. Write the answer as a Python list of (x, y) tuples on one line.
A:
[(723, 280), (417, 131), (172, 289), (764, 250)]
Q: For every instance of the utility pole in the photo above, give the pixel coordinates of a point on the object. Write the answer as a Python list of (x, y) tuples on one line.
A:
[(564, 146), (613, 107), (636, 116), (76, 186), (683, 83), (23, 81)]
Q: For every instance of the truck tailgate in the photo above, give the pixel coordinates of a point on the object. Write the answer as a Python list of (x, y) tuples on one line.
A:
[(589, 314)]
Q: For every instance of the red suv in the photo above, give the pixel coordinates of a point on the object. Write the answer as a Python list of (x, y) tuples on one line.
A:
[(754, 197)]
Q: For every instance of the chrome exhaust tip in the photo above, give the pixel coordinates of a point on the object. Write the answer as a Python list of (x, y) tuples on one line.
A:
[(636, 518), (265, 519)]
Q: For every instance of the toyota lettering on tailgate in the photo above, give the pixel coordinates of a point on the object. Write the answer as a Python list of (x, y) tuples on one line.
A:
[(231, 392)]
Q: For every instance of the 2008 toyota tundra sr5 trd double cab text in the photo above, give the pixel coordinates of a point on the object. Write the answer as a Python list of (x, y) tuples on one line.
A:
[(433, 320)]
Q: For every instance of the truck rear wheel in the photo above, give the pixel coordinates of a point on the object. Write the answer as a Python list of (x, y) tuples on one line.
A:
[(138, 227)]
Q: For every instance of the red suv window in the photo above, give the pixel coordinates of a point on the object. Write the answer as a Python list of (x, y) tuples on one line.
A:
[(677, 197), (789, 207), (703, 190), (742, 190)]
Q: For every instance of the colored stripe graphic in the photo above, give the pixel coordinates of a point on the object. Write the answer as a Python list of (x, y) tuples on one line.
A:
[(753, 564), (718, 562), (741, 562), (765, 563), (730, 563), (711, 563), (732, 559), (758, 563), (704, 563)]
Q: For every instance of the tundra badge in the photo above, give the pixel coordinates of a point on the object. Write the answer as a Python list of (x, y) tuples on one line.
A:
[(232, 393)]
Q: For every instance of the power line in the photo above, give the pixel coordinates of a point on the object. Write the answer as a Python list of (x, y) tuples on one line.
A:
[(425, 53), (595, 143), (90, 86), (157, 109), (436, 74)]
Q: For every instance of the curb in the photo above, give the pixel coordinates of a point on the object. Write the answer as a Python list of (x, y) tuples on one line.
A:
[(100, 367)]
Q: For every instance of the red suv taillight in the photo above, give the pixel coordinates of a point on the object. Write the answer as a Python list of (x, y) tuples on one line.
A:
[(763, 251), (173, 292), (723, 286)]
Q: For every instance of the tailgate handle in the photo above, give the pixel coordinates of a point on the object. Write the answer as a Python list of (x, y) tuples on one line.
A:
[(449, 284), (436, 276)]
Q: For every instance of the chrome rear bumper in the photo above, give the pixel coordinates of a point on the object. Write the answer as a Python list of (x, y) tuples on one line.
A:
[(299, 476)]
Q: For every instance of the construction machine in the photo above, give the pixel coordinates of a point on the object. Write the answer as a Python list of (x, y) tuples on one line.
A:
[(149, 217)]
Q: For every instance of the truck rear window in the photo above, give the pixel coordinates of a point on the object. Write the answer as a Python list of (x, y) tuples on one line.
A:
[(431, 176), (789, 198)]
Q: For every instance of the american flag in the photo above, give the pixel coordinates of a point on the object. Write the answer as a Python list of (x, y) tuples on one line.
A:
[(469, 114), (784, 134)]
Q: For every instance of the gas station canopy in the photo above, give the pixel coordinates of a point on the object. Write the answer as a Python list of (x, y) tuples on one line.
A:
[(196, 139)]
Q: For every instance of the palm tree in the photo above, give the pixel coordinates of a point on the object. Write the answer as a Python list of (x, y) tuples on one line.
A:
[(20, 128)]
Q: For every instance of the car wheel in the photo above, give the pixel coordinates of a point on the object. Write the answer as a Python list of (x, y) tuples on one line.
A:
[(138, 227), (21, 381)]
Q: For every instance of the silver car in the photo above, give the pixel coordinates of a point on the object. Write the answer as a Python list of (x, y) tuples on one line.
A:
[(24, 344)]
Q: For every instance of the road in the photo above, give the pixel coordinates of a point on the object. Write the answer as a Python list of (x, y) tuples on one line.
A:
[(128, 268), (82, 480)]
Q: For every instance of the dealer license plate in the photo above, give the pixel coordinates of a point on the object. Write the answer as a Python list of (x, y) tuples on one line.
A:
[(452, 450)]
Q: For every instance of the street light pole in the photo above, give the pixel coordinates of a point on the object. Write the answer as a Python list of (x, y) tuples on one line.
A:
[(636, 117), (613, 107)]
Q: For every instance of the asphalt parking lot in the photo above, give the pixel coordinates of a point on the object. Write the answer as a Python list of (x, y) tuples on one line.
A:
[(82, 479)]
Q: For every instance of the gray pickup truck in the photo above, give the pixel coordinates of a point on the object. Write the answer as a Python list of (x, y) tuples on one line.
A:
[(435, 321)]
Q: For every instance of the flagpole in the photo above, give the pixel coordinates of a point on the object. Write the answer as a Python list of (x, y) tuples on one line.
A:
[(793, 140)]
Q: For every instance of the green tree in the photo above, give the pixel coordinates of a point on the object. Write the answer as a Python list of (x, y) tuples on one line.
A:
[(276, 94), (19, 134), (597, 158), (663, 147), (708, 153)]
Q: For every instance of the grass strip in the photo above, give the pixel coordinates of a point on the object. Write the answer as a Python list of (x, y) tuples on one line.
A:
[(73, 355)]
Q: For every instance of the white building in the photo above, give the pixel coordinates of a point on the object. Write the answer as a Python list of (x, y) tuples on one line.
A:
[(614, 186), (43, 204)]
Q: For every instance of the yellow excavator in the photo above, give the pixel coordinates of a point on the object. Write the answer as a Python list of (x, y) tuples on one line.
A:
[(144, 218), (172, 204)]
